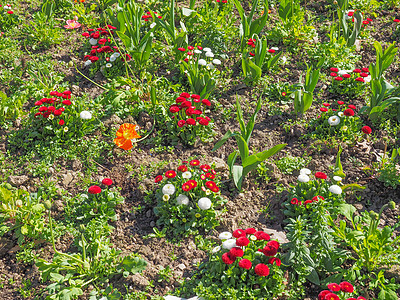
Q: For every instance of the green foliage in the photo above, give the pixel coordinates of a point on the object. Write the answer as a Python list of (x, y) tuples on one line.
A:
[(95, 264), (383, 94), (84, 207), (303, 93), (130, 31), (42, 32), (22, 213), (201, 77), (254, 66), (374, 249), (334, 124), (249, 162), (250, 27), (288, 164)]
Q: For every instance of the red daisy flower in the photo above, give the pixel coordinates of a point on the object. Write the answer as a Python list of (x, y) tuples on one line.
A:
[(239, 233), (348, 112), (107, 181), (294, 201), (366, 130), (194, 162), (334, 287), (228, 259), (261, 235), (94, 189), (261, 270), (158, 178), (275, 260), (340, 102), (170, 174), (346, 287), (331, 296), (236, 252), (250, 231), (323, 109), (321, 175), (321, 296), (242, 241), (245, 264)]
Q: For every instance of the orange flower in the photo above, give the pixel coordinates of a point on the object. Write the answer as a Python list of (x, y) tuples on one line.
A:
[(125, 134)]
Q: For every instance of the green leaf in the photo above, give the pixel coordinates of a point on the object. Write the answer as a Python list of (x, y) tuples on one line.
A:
[(353, 186), (237, 172), (347, 210), (227, 136), (134, 264), (56, 277), (313, 277)]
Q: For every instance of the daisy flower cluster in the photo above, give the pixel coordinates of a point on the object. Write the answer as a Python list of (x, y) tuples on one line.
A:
[(53, 108), (189, 196), (102, 52), (314, 190), (349, 82), (250, 260), (240, 249), (339, 120), (7, 17), (199, 66), (188, 120), (98, 202), (339, 291), (188, 112), (252, 44), (148, 17), (200, 56)]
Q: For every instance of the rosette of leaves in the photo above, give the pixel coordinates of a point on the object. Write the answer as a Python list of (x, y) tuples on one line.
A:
[(22, 213), (85, 207), (180, 210), (255, 273)]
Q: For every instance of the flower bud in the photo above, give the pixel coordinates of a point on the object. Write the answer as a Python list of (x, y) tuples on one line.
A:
[(47, 204), (70, 64), (392, 205), (373, 215)]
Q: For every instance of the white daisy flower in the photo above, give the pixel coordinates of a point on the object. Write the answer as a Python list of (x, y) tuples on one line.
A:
[(367, 79), (168, 189), (207, 49), (275, 48), (337, 178), (152, 25), (216, 61), (229, 244), (216, 249), (340, 114), (334, 120), (51, 117), (116, 54), (182, 199), (113, 58), (305, 171), (284, 59), (85, 115), (108, 65), (165, 197), (303, 178), (210, 66), (87, 63), (197, 51), (209, 54), (186, 175), (226, 235), (65, 129), (202, 62), (204, 203), (335, 189), (93, 41), (253, 238)]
